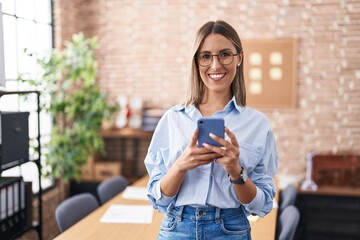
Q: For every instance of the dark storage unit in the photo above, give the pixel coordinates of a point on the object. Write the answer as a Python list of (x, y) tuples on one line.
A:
[(330, 213), (14, 142), (15, 131)]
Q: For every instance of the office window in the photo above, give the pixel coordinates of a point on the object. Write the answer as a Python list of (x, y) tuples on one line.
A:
[(270, 72), (27, 25)]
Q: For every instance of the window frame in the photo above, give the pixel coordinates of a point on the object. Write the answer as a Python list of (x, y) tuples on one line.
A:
[(46, 182)]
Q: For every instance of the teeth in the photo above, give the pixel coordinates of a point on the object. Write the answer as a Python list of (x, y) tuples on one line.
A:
[(216, 76)]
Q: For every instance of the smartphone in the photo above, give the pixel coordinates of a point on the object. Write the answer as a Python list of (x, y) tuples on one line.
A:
[(207, 125)]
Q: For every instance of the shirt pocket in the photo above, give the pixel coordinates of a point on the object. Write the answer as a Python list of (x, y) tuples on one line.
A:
[(249, 156)]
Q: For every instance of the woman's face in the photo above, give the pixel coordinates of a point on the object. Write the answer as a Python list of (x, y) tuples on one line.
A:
[(218, 77)]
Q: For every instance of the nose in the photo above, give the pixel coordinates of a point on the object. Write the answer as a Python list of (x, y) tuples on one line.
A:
[(215, 62)]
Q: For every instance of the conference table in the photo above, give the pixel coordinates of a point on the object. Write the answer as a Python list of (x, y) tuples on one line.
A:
[(90, 227)]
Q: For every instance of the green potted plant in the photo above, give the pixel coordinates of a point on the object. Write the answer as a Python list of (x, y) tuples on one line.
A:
[(77, 105)]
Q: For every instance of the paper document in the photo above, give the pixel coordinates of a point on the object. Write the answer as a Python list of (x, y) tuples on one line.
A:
[(121, 213), (253, 218), (275, 204), (135, 193)]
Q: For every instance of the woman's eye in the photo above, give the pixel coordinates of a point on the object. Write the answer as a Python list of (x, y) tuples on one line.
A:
[(225, 54), (205, 56)]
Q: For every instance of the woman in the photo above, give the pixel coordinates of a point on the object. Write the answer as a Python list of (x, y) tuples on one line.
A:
[(207, 192)]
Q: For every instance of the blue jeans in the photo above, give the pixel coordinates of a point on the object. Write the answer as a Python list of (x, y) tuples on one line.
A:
[(205, 224)]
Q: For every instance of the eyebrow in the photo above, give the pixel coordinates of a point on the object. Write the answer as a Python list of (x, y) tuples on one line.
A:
[(225, 49)]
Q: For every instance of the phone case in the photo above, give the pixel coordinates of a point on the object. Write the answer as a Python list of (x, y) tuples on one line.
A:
[(207, 125)]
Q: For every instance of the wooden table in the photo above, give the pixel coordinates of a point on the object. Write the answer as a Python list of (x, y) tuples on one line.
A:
[(264, 228), (91, 228)]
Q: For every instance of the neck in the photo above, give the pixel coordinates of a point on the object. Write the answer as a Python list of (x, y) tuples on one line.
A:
[(213, 102)]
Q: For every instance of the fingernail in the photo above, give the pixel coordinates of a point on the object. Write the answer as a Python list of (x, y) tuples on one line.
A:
[(211, 135), (205, 145)]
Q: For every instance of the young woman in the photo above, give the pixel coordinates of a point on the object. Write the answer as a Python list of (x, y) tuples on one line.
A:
[(207, 192)]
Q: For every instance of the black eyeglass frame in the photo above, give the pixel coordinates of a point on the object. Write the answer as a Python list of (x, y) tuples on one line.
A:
[(212, 58)]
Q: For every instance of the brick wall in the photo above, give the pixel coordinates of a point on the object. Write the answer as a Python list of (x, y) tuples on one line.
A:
[(145, 51)]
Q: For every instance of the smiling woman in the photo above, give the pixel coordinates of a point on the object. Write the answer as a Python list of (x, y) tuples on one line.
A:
[(218, 73), (227, 173), (27, 26)]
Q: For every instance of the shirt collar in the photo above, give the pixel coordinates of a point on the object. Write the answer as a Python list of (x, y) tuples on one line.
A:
[(232, 104), (192, 111)]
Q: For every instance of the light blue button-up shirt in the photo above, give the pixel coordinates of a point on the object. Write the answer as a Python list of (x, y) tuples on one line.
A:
[(209, 185)]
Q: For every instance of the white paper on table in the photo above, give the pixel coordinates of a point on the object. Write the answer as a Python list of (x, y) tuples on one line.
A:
[(121, 213), (139, 193), (253, 218), (275, 204)]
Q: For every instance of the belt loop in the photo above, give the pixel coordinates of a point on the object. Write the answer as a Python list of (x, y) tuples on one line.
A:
[(180, 213), (217, 215)]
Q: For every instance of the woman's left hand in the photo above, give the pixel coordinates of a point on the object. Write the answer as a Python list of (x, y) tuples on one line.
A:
[(229, 150)]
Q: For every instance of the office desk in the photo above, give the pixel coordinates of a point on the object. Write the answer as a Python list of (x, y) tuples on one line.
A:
[(91, 228)]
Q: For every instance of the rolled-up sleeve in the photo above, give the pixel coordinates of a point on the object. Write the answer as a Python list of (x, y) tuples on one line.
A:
[(263, 177), (156, 168), (155, 163)]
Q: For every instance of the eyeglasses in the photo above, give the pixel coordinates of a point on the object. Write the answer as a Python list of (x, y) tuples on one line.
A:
[(225, 57)]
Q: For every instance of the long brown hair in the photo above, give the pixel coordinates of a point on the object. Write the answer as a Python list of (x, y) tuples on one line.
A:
[(196, 87)]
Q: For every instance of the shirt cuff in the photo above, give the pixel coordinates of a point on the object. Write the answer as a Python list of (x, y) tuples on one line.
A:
[(161, 199), (257, 204)]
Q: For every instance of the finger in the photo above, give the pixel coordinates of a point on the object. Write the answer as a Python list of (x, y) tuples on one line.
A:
[(232, 137), (194, 138), (224, 149), (218, 150), (209, 156), (218, 139)]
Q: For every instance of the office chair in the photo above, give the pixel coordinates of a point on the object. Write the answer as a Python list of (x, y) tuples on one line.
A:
[(110, 187), (287, 223), (287, 197), (72, 209)]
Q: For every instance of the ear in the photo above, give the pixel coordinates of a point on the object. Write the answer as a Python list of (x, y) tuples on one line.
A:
[(240, 59)]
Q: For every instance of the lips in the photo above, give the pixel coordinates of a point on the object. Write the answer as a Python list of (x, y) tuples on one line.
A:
[(217, 76)]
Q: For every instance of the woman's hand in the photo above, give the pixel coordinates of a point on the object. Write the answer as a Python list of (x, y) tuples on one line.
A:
[(229, 153), (193, 156)]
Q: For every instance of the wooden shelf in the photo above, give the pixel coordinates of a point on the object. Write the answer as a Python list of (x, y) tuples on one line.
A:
[(334, 191), (126, 133)]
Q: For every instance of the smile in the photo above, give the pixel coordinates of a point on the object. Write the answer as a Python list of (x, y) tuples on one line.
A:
[(217, 76)]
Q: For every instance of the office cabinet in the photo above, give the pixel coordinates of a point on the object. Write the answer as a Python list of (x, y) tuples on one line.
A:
[(20, 158), (330, 213), (130, 147)]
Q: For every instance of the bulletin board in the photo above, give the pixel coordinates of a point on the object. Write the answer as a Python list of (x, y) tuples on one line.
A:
[(270, 72)]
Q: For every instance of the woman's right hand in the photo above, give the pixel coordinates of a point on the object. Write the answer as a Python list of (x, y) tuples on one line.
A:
[(193, 156)]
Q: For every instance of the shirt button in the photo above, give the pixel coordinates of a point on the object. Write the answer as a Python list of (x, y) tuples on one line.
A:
[(201, 213)]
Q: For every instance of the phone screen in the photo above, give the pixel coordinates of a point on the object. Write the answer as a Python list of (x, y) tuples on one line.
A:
[(207, 125)]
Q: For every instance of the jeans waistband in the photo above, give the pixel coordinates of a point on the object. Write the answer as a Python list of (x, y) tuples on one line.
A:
[(204, 213)]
